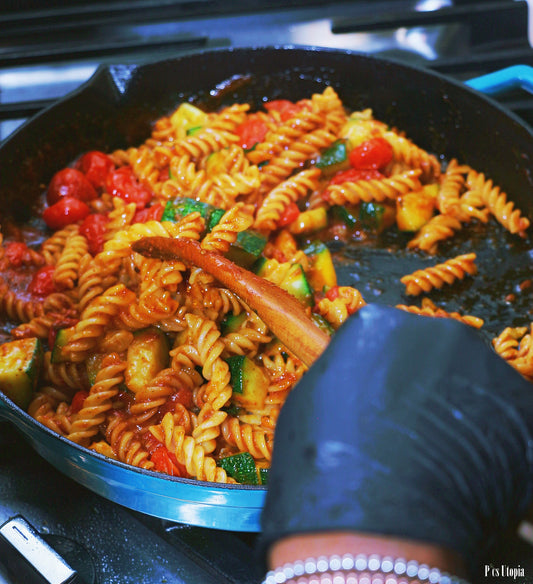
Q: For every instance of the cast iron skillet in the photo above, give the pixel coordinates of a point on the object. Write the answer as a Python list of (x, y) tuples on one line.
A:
[(115, 109)]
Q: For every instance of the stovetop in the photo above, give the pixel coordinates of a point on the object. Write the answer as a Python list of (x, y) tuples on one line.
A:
[(47, 49), (104, 542)]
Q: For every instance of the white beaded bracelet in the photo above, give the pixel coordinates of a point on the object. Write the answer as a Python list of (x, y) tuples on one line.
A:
[(391, 570)]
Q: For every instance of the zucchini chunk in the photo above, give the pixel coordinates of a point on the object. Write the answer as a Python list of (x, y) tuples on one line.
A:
[(335, 158), (295, 282), (249, 382), (243, 468), (321, 275), (232, 322), (63, 336), (20, 363), (147, 356), (345, 214), (322, 323), (415, 209), (243, 252), (93, 365), (182, 206), (376, 216), (247, 248), (310, 221)]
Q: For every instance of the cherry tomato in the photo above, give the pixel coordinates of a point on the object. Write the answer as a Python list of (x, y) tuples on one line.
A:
[(182, 396), (252, 131), (70, 182), (163, 461), (16, 252), (124, 184), (289, 215), (95, 166), (354, 174), (77, 401), (375, 153), (332, 293), (66, 211), (153, 213), (42, 283), (287, 109), (94, 228)]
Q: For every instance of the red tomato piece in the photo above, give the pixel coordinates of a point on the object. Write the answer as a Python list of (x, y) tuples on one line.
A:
[(66, 211), (289, 215), (332, 293), (354, 174), (252, 131), (94, 228), (95, 166), (16, 252), (287, 109), (182, 396), (77, 401), (163, 462), (70, 182), (153, 213), (42, 283), (375, 153), (123, 183)]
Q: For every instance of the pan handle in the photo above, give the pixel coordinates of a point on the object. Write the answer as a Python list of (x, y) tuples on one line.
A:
[(514, 77)]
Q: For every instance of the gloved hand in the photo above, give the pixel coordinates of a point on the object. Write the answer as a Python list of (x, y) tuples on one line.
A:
[(406, 426)]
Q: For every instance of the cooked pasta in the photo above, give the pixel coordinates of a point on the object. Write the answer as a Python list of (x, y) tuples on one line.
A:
[(437, 276), (154, 363)]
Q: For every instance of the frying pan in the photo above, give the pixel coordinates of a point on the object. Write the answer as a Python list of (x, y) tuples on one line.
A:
[(116, 107)]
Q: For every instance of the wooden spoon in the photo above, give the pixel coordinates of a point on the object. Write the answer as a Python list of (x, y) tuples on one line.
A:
[(280, 311)]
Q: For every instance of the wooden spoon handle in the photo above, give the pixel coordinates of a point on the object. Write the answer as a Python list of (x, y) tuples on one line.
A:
[(279, 310)]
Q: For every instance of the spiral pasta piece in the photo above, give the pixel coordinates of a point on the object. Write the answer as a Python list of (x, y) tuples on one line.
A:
[(99, 400), (507, 342), (289, 191), (53, 246), (225, 232), (16, 308), (94, 320), (437, 229), (348, 301), (373, 190), (473, 321), (405, 151), (125, 443), (68, 263), (147, 401), (295, 156), (437, 276), (188, 452), (496, 201), (247, 438), (120, 217), (65, 375)]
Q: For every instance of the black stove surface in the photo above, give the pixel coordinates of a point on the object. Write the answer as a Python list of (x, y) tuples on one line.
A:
[(47, 49), (104, 542)]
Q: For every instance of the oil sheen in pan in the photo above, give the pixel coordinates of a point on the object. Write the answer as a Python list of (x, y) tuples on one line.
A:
[(500, 293)]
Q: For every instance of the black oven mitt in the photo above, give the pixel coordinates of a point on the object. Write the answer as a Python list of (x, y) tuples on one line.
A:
[(406, 426)]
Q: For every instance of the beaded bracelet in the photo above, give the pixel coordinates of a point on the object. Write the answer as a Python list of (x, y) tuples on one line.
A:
[(368, 569)]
